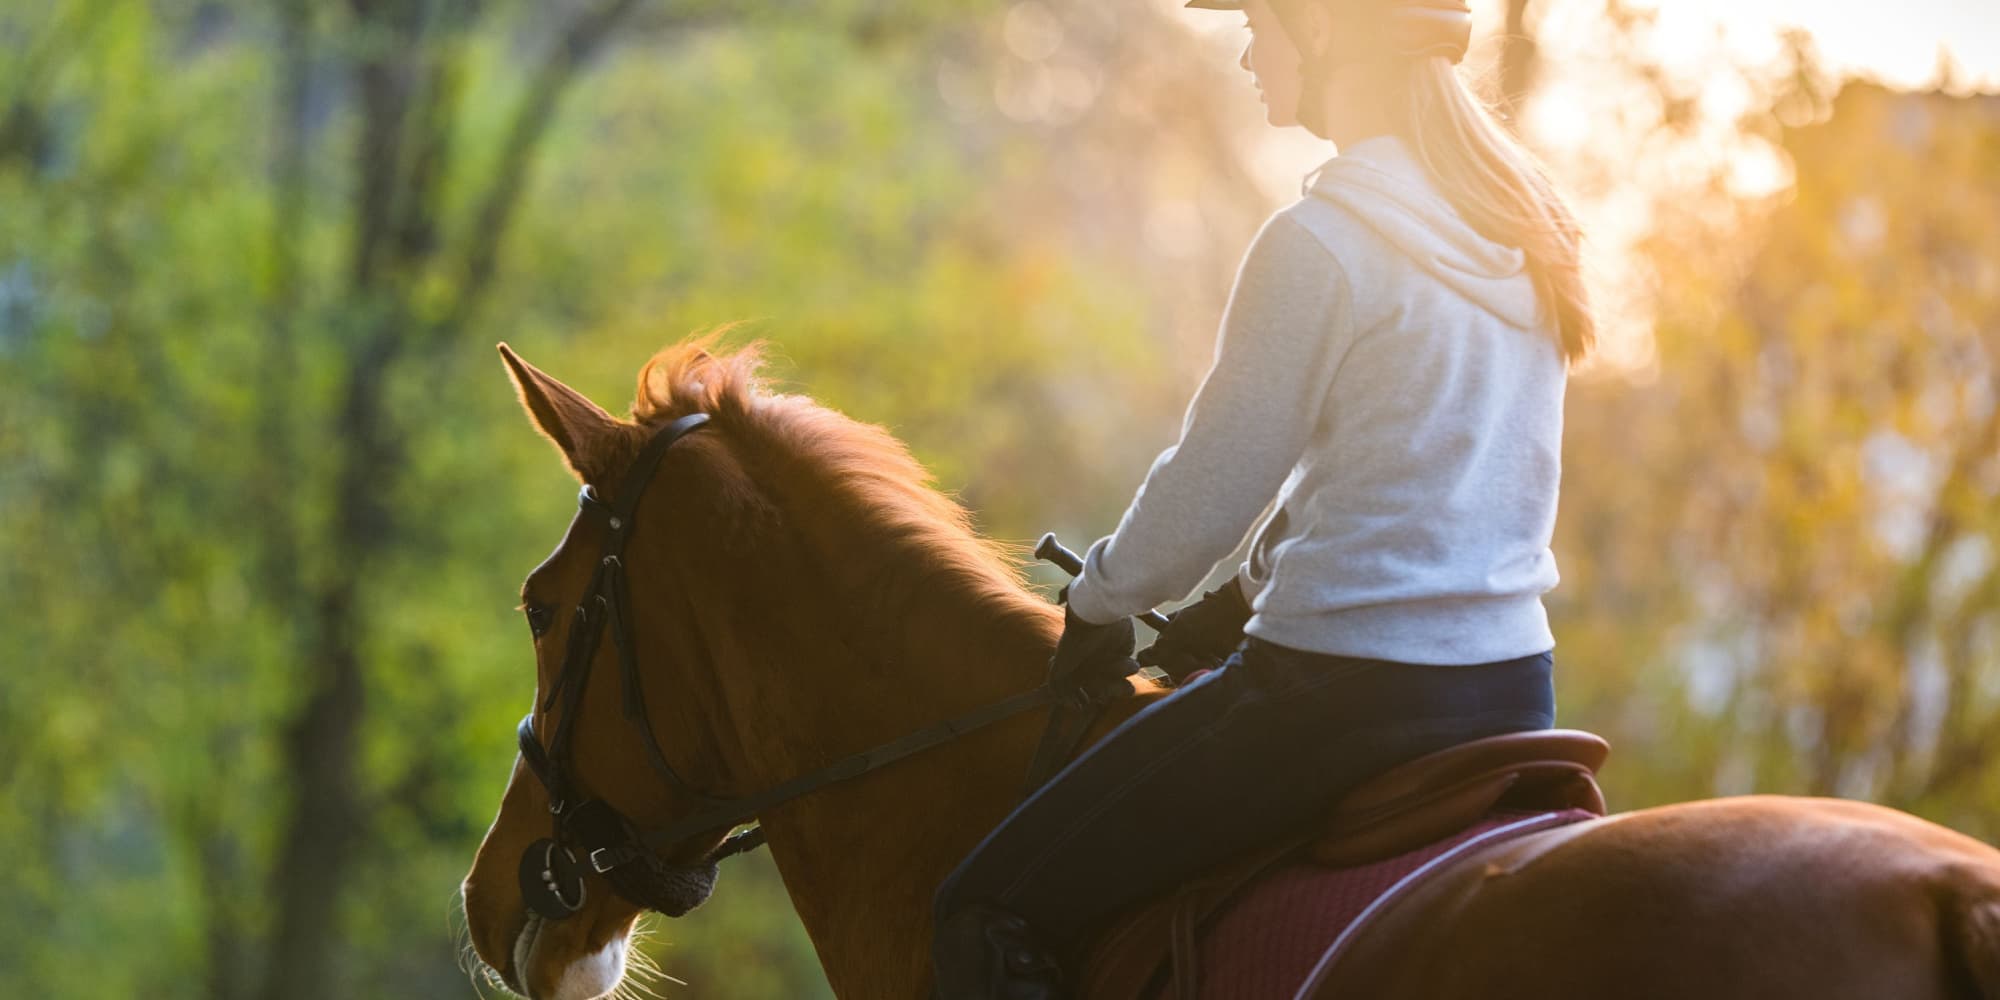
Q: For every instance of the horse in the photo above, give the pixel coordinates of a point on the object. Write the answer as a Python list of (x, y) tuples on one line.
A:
[(800, 590)]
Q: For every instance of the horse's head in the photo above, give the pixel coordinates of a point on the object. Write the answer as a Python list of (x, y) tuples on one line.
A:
[(762, 595), (543, 919)]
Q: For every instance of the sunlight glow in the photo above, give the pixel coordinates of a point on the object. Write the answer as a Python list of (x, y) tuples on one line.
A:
[(1714, 56)]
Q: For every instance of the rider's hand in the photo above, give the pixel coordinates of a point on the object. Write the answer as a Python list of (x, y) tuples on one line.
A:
[(1201, 635), (1091, 657)]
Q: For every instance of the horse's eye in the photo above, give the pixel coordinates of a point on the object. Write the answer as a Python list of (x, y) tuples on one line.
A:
[(538, 618)]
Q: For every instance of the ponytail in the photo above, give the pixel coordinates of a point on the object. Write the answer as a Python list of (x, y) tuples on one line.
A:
[(1502, 191)]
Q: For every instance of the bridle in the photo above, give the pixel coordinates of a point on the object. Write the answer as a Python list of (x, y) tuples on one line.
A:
[(552, 877)]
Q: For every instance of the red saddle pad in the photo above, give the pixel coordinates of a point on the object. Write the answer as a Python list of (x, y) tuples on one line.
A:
[(1265, 943)]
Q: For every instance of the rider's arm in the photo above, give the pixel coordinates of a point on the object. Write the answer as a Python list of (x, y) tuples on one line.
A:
[(1286, 327)]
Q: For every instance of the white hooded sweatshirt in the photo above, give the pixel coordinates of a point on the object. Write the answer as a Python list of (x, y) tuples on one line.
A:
[(1389, 377)]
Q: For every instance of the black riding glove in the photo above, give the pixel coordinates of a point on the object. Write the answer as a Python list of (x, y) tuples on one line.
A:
[(1092, 659), (1201, 635)]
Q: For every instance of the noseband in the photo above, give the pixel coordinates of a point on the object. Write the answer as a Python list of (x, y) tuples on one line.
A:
[(551, 876)]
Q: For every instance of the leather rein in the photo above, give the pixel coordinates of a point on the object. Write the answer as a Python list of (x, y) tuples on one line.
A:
[(551, 875)]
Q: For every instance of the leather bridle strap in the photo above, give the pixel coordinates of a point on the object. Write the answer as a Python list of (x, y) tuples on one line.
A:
[(611, 595), (1070, 718), (634, 694), (735, 811), (604, 608)]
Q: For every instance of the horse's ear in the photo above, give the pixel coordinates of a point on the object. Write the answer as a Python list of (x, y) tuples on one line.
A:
[(561, 413)]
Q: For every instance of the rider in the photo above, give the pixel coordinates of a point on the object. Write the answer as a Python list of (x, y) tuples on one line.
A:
[(1390, 371)]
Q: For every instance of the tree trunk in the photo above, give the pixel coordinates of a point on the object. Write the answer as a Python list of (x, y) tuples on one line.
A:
[(323, 740), (407, 114)]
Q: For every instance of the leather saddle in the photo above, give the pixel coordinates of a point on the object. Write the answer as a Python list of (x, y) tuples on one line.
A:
[(1413, 804)]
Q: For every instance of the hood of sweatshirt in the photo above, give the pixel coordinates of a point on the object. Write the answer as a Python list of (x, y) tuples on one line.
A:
[(1381, 183)]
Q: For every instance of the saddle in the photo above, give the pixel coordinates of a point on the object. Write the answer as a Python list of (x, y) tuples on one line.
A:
[(1399, 811)]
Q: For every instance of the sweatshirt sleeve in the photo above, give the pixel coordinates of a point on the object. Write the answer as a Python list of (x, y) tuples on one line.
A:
[(1286, 327)]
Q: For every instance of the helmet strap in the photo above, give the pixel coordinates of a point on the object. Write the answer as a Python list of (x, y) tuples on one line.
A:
[(1313, 65), (1412, 29)]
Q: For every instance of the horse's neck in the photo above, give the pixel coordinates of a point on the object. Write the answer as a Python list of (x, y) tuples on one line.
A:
[(862, 859)]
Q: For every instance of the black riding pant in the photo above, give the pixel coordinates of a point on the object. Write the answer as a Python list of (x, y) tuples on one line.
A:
[(1230, 762)]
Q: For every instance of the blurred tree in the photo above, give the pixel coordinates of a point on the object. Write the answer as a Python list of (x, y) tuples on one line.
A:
[(1780, 549), (413, 279), (267, 495), (264, 507)]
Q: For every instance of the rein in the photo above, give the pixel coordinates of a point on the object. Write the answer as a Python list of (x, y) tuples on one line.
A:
[(552, 882), (736, 811)]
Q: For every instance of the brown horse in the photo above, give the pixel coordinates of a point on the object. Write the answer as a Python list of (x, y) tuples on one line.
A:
[(801, 592)]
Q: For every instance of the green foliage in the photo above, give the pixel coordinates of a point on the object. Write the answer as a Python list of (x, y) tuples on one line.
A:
[(267, 495), (182, 348)]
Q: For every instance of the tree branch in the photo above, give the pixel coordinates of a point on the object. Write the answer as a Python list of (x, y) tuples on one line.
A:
[(495, 208), (1916, 591)]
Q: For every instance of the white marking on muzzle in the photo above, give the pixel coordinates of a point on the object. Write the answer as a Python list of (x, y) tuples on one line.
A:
[(593, 975), (587, 978)]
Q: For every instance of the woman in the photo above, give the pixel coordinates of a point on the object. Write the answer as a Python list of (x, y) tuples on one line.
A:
[(1390, 370)]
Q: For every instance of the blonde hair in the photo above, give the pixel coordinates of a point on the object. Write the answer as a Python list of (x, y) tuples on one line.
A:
[(1501, 190)]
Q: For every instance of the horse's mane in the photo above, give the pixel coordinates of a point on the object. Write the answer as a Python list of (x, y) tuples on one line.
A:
[(863, 467)]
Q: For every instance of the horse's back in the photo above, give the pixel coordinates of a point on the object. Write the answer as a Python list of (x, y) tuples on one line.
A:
[(1757, 896), (1257, 927)]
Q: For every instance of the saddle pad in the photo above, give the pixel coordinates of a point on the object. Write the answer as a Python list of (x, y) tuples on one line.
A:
[(1264, 943)]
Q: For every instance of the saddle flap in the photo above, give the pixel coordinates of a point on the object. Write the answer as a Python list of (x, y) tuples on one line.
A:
[(1134, 953)]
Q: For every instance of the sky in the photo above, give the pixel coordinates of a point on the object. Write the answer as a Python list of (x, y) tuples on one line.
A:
[(1714, 47), (1900, 44), (1894, 43), (1725, 51)]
